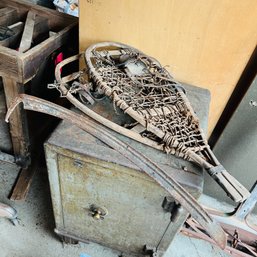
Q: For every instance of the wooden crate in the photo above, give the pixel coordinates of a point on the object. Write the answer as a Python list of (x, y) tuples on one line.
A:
[(18, 68)]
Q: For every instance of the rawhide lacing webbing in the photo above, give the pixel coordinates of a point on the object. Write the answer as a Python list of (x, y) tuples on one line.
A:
[(154, 95)]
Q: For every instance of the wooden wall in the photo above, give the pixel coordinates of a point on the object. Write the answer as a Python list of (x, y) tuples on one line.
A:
[(206, 43)]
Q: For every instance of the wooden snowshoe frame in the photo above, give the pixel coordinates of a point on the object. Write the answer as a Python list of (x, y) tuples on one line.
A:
[(145, 90)]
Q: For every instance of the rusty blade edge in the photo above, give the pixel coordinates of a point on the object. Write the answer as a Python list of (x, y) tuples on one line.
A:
[(228, 249), (150, 168), (197, 231)]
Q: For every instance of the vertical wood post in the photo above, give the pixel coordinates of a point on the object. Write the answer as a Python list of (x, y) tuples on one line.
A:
[(18, 123)]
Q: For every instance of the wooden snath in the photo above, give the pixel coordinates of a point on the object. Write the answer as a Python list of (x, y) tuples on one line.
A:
[(18, 65)]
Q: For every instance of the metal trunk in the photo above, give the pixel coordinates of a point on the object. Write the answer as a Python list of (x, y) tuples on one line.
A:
[(98, 195)]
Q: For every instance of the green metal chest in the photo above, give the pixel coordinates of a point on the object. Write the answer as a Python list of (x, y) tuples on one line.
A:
[(98, 195)]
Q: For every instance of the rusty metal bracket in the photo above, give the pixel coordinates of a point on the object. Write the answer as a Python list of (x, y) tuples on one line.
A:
[(170, 205), (242, 236), (145, 164)]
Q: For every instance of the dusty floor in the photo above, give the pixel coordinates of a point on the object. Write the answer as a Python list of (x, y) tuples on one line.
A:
[(34, 236)]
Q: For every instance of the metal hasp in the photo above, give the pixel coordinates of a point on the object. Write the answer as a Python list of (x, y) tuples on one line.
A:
[(126, 152), (242, 235), (172, 206)]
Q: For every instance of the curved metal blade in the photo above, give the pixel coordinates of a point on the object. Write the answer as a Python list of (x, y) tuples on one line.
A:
[(145, 164)]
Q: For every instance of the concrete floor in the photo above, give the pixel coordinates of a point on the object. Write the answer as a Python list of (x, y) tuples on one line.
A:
[(34, 236)]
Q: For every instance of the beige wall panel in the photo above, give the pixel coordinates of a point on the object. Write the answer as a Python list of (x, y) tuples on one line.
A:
[(206, 43)]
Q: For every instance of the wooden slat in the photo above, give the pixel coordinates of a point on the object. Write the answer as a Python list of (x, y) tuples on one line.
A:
[(41, 30), (42, 51), (57, 20), (9, 63), (17, 28), (22, 185), (26, 39), (2, 106), (138, 128), (8, 16), (18, 122)]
